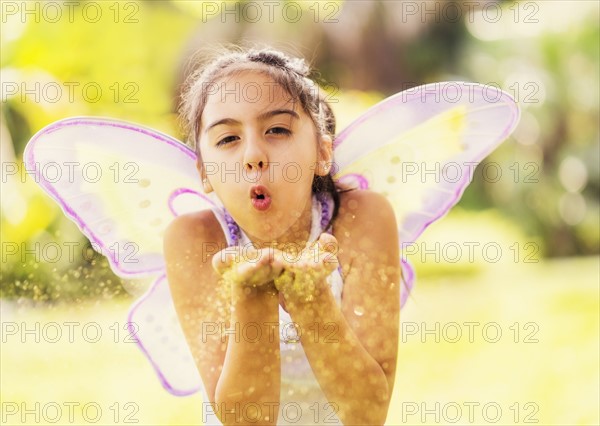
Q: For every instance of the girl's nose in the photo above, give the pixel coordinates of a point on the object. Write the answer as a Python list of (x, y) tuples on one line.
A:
[(259, 166), (255, 156)]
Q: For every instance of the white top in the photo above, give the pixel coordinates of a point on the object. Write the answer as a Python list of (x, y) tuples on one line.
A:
[(302, 401)]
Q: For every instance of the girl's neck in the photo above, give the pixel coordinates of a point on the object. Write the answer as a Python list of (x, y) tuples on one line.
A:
[(295, 237)]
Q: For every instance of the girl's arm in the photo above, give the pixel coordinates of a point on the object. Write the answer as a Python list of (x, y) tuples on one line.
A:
[(236, 367), (250, 380), (353, 350)]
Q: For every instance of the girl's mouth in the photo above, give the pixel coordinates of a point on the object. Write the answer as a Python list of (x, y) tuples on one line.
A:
[(261, 199)]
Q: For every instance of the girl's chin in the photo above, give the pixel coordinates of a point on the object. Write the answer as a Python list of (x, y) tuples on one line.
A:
[(270, 227)]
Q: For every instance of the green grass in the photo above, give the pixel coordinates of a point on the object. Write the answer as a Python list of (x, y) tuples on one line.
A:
[(547, 374)]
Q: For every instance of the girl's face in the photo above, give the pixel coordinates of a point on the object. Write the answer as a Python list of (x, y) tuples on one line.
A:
[(253, 134)]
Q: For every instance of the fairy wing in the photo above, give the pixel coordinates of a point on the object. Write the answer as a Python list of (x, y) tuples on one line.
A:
[(121, 183), (154, 322), (420, 147)]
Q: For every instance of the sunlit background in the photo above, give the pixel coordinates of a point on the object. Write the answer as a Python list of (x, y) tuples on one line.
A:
[(536, 198)]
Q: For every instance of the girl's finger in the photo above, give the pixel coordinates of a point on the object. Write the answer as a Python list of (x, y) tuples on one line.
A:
[(284, 279), (223, 259)]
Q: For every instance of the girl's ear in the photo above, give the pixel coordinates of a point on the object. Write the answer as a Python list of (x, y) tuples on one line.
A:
[(325, 156), (205, 183)]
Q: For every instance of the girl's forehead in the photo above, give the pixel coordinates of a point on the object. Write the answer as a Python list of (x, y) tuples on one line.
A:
[(247, 86), (247, 92)]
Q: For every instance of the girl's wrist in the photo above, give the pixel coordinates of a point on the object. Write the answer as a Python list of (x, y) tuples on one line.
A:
[(242, 291), (251, 304)]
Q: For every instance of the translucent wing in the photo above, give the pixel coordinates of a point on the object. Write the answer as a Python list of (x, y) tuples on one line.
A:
[(154, 322), (122, 184), (420, 147)]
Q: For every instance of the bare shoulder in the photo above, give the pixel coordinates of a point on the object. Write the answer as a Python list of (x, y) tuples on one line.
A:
[(189, 243), (365, 203), (365, 212), (193, 232), (190, 226), (365, 223)]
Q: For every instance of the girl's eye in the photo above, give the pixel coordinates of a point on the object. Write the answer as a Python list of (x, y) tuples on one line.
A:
[(279, 131), (226, 140)]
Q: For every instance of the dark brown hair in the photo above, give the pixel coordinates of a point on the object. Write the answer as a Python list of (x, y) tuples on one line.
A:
[(291, 73)]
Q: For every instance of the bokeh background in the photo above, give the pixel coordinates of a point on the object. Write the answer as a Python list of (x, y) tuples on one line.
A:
[(506, 339)]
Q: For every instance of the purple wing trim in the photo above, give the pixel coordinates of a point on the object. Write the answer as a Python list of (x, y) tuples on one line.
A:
[(154, 324), (423, 95), (411, 127), (70, 144), (355, 178), (152, 319), (180, 193), (408, 280)]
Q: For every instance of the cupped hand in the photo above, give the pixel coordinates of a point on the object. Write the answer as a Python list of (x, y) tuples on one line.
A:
[(304, 275), (246, 266)]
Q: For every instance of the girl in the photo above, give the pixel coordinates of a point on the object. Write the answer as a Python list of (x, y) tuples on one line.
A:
[(289, 296)]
